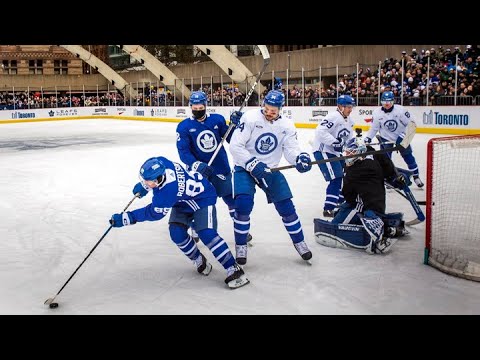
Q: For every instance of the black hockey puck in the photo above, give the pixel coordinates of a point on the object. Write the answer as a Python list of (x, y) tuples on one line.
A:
[(53, 305)]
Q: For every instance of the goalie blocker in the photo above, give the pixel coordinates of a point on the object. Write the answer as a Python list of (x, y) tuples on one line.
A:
[(375, 235)]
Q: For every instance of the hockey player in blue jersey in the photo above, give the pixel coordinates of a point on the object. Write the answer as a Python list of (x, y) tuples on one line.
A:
[(390, 122), (361, 221), (261, 138), (330, 135), (189, 196), (197, 139)]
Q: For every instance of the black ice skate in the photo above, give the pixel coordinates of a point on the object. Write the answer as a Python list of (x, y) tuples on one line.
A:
[(304, 251), (384, 245), (241, 254), (418, 182), (203, 266), (236, 277), (328, 213)]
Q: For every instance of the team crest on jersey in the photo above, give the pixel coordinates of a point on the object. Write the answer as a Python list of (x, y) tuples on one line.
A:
[(206, 141), (266, 143), (343, 134), (391, 125)]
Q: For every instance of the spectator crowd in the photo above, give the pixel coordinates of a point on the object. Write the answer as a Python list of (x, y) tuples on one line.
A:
[(446, 76)]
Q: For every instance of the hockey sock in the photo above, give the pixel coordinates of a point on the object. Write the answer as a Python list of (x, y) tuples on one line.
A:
[(185, 242), (217, 246)]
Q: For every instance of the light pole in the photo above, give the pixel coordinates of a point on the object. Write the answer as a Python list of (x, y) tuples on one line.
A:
[(288, 55)]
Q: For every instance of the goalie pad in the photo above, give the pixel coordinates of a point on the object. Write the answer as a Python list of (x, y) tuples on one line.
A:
[(350, 236), (374, 226), (344, 236)]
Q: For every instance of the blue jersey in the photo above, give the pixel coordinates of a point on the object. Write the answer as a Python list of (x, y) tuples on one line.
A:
[(197, 141), (181, 188)]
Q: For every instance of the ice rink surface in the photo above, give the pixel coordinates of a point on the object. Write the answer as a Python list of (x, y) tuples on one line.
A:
[(62, 181)]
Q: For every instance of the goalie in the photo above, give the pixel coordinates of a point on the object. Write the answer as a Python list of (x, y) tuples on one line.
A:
[(361, 221)]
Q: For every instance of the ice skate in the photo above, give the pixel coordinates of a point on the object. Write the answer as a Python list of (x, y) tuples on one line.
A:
[(241, 254), (418, 182), (203, 266), (236, 277), (304, 251)]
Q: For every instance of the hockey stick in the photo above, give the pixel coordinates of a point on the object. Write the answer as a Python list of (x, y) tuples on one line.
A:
[(420, 216), (266, 61), (409, 133), (49, 301), (409, 196), (421, 202)]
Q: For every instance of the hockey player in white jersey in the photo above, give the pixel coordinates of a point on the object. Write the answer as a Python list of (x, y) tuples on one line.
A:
[(390, 122), (330, 136), (261, 138)]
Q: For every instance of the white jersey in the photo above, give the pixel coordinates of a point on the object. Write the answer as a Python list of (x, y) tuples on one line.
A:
[(390, 125), (257, 137), (333, 127)]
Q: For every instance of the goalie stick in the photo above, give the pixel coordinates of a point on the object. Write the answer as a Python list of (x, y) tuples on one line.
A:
[(266, 61), (415, 205), (419, 202), (409, 133)]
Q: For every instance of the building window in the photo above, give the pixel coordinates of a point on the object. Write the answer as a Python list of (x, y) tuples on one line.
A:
[(35, 67), (9, 67), (60, 67)]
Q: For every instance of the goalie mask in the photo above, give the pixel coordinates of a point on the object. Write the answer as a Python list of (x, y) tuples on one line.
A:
[(354, 146)]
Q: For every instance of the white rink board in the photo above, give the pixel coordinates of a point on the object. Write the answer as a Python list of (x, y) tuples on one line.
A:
[(429, 119)]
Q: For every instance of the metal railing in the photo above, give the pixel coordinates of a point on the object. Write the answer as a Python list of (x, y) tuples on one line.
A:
[(312, 87)]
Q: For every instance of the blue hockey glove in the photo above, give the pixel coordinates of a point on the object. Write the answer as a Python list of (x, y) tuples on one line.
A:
[(203, 168), (123, 219), (235, 117), (140, 189), (337, 145), (367, 140), (303, 163), (257, 169)]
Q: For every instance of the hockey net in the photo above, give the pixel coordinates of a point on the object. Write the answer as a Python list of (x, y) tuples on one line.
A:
[(452, 241)]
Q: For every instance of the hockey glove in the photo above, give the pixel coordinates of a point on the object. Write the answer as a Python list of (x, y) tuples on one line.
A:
[(303, 163), (203, 168), (235, 117), (141, 189), (123, 219), (257, 169), (337, 145), (398, 182), (367, 140)]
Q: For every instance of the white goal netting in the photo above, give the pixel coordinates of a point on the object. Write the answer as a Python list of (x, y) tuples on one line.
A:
[(453, 205)]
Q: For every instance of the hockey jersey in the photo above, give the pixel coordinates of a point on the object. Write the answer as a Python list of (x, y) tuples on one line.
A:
[(332, 128), (265, 140), (363, 183), (180, 188), (197, 141), (390, 125)]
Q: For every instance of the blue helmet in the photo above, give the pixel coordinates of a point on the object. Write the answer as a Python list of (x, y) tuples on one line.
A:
[(387, 96), (353, 146), (275, 98), (152, 169), (345, 100), (198, 98)]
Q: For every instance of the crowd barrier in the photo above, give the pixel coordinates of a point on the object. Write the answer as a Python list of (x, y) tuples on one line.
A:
[(429, 119)]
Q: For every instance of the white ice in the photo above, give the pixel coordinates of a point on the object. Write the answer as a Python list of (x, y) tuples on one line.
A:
[(62, 181)]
